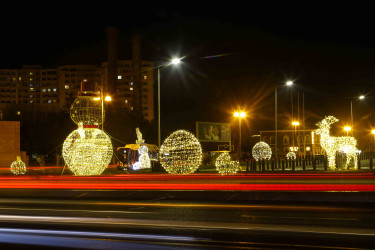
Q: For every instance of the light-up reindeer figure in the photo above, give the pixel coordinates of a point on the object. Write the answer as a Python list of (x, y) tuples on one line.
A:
[(332, 144)]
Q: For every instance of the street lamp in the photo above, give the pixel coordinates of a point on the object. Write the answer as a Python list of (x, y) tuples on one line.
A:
[(240, 115), (102, 98), (174, 61), (288, 83), (373, 132), (347, 129), (361, 97), (295, 124)]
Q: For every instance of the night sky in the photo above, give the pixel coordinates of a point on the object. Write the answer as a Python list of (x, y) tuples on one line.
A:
[(233, 56)]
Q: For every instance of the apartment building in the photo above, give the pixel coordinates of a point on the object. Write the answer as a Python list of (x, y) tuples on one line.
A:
[(35, 89)]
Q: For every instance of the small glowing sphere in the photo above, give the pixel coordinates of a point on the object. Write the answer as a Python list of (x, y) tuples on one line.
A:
[(181, 153), (18, 167), (86, 110), (225, 165), (291, 155), (87, 151), (261, 151)]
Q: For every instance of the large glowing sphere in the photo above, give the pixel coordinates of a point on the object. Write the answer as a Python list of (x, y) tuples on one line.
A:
[(261, 151), (87, 151), (225, 165), (291, 155), (181, 153), (86, 110), (18, 167)]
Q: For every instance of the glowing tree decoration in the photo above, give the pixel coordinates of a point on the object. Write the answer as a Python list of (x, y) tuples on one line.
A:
[(225, 165), (262, 151), (18, 167), (331, 144), (181, 153), (87, 150), (291, 155)]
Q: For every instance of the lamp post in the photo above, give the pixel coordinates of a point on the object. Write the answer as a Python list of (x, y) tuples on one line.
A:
[(373, 132), (239, 114), (102, 99), (288, 83), (174, 61), (295, 124), (361, 97), (347, 129)]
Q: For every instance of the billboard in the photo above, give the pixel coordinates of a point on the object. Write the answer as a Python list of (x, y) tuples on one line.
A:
[(213, 132)]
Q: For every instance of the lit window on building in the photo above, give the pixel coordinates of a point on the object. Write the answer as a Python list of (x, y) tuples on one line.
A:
[(49, 90), (131, 88), (19, 78), (31, 101), (31, 73), (31, 79), (126, 101), (54, 90), (18, 112), (49, 101), (31, 89), (145, 77), (43, 90), (31, 96), (119, 77), (66, 86), (131, 108), (131, 83)]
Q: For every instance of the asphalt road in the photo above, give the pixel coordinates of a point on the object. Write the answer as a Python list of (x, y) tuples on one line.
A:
[(170, 219)]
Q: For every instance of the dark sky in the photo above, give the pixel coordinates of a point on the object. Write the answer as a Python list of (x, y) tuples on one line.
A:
[(234, 55)]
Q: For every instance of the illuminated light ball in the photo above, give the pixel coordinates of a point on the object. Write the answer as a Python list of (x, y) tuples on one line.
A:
[(261, 151), (291, 155), (87, 151), (18, 167), (143, 160), (181, 153), (85, 109), (225, 165)]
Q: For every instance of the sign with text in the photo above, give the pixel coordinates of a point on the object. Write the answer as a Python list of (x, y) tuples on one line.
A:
[(213, 132)]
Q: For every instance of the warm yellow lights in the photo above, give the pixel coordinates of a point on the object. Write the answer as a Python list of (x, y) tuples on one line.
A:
[(261, 151), (289, 83), (18, 167), (332, 145), (87, 151), (361, 97), (373, 131), (347, 128), (293, 149), (107, 98), (181, 153), (225, 165), (295, 123), (239, 114), (291, 155)]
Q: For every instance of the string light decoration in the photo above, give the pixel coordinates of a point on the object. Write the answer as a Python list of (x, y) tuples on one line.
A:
[(332, 144), (143, 159), (18, 167), (291, 155), (87, 151), (225, 165), (181, 153), (262, 151), (87, 110)]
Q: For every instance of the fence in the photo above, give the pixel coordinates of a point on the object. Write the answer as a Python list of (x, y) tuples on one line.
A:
[(309, 163)]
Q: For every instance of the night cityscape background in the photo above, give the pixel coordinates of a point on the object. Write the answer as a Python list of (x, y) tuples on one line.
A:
[(233, 58)]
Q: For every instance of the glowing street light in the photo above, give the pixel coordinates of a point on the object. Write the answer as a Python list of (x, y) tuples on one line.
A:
[(347, 129), (174, 61), (240, 115), (288, 83)]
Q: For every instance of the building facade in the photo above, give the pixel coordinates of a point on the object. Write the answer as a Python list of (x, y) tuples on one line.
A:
[(33, 88), (301, 142)]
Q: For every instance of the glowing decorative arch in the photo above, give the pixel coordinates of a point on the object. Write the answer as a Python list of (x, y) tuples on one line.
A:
[(262, 151), (181, 153), (225, 165), (332, 144)]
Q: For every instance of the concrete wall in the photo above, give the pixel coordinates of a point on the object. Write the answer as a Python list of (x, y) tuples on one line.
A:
[(9, 142)]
